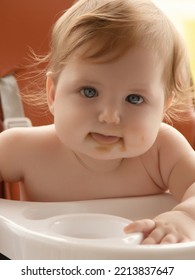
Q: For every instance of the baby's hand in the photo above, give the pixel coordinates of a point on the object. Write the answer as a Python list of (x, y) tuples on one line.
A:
[(169, 227)]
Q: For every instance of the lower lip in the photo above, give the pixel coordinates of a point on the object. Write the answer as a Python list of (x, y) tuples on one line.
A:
[(103, 139)]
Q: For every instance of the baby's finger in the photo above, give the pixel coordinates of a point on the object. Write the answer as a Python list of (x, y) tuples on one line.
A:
[(170, 239), (145, 226), (155, 237)]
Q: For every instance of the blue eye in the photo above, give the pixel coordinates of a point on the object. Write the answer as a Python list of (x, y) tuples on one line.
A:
[(134, 99), (89, 92)]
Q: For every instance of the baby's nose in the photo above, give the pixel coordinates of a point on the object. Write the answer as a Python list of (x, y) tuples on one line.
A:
[(109, 116)]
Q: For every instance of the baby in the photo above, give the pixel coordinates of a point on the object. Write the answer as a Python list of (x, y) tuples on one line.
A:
[(116, 69)]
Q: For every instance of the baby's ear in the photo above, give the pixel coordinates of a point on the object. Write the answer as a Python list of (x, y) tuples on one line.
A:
[(50, 89)]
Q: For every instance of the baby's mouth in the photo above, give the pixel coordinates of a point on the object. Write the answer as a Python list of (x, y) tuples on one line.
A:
[(104, 139)]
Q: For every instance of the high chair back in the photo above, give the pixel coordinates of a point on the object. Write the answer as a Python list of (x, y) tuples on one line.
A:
[(26, 25)]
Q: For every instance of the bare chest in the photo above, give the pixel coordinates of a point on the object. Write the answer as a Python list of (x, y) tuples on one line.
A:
[(70, 182)]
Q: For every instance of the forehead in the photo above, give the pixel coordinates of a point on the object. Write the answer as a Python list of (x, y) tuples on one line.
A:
[(138, 64)]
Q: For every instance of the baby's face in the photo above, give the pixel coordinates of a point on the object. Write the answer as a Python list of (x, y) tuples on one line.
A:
[(112, 110)]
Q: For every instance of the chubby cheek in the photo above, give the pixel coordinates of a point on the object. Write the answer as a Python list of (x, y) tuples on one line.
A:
[(140, 139), (135, 147), (70, 126)]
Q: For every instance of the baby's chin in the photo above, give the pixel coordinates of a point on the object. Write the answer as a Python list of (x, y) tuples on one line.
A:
[(104, 153)]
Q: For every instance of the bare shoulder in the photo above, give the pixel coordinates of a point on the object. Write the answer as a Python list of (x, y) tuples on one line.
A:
[(18, 145), (27, 142), (172, 146), (19, 136), (170, 139), (175, 154)]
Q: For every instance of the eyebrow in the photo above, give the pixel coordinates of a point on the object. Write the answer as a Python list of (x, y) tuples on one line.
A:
[(85, 81), (141, 86)]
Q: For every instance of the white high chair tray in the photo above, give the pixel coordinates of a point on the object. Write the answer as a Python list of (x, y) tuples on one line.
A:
[(83, 230)]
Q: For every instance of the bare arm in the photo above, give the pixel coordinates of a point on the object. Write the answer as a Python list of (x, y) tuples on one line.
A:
[(177, 164)]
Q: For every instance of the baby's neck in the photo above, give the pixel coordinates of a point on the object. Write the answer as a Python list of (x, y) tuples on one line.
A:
[(96, 165)]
